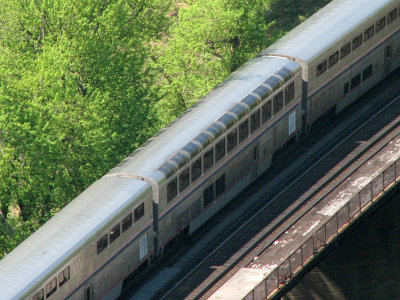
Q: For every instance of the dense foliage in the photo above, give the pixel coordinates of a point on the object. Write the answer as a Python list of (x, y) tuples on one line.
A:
[(83, 83)]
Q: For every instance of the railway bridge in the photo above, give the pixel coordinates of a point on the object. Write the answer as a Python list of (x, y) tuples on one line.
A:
[(281, 240)]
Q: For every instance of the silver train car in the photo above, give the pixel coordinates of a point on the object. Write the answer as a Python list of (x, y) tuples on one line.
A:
[(179, 179)]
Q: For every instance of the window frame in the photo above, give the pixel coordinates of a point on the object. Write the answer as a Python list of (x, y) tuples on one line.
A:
[(278, 103), (333, 59), (195, 169), (369, 33), (392, 16), (139, 212), (380, 24), (357, 42), (115, 233), (232, 140), (289, 93), (172, 190), (218, 153), (321, 68), (51, 287), (345, 50), (102, 243), (266, 111), (184, 179), (244, 129), (127, 220), (64, 276)]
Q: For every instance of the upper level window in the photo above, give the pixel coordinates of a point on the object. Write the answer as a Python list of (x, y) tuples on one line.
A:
[(39, 295), (115, 232), (357, 41), (266, 112), (333, 59), (196, 169), (369, 33), (208, 160), (102, 244), (184, 180), (232, 140), (243, 130), (220, 150), (278, 102), (392, 16), (321, 68), (255, 121), (63, 277), (139, 211), (51, 287), (380, 24), (345, 50), (289, 93), (126, 222), (172, 189)]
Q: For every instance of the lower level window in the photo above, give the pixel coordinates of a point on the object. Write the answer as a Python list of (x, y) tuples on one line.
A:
[(355, 81), (367, 72), (220, 185), (208, 195)]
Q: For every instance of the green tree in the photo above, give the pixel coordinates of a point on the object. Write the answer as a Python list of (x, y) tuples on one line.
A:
[(76, 96)]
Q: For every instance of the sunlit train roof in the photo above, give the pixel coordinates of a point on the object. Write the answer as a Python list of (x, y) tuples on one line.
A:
[(336, 21), (227, 97)]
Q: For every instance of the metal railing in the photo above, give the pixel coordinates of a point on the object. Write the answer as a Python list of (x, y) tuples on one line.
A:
[(325, 234)]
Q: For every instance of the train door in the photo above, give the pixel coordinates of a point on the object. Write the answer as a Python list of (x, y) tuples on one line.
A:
[(388, 57), (255, 163), (88, 292)]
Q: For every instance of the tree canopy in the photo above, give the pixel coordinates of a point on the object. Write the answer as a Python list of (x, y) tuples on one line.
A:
[(83, 83)]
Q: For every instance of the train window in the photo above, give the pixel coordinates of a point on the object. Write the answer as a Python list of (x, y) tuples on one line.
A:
[(255, 121), (126, 222), (184, 180), (333, 59), (266, 112), (220, 185), (278, 102), (208, 195), (380, 24), (232, 140), (289, 93), (102, 244), (345, 50), (51, 287), (392, 16), (208, 159), (196, 169), (369, 33), (243, 131), (172, 189), (346, 88), (220, 150), (367, 72), (63, 277), (139, 212), (115, 232), (321, 68), (39, 295), (357, 41), (355, 81)]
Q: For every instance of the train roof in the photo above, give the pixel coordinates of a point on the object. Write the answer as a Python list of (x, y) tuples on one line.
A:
[(64, 235), (337, 21), (197, 127)]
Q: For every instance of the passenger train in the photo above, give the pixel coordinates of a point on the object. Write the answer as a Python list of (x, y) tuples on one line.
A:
[(180, 178)]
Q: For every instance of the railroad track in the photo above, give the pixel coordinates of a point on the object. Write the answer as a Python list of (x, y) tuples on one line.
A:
[(280, 212)]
